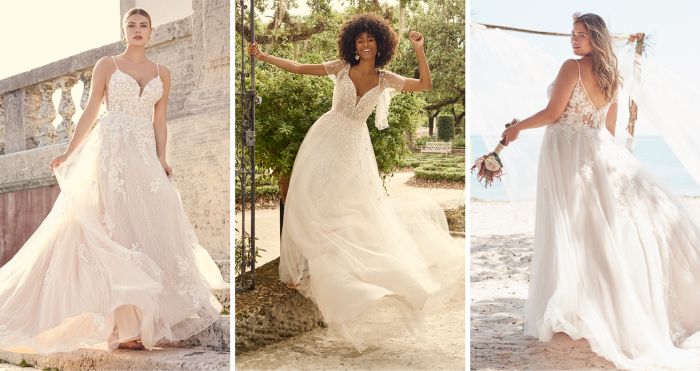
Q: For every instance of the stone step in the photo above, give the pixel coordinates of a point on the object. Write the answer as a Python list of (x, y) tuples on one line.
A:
[(123, 359), (224, 297), (215, 337), (225, 268)]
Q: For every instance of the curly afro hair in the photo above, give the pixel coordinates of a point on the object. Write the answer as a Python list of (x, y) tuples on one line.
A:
[(387, 39)]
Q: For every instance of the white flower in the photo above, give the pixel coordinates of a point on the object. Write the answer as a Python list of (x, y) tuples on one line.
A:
[(98, 320), (492, 164), (479, 161)]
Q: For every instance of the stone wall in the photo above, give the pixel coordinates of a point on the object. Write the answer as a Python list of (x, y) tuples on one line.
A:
[(196, 51)]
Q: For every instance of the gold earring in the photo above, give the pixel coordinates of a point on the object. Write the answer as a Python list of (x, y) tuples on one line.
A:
[(378, 54), (150, 42), (357, 57), (124, 42)]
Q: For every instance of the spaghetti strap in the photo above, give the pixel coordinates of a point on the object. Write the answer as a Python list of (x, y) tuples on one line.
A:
[(579, 69), (158, 69), (115, 63)]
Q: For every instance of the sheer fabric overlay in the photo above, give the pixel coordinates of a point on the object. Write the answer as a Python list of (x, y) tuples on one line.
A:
[(354, 251), (616, 251), (116, 259)]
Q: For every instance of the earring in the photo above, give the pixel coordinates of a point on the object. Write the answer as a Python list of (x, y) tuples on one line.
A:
[(378, 54), (357, 57), (150, 42), (124, 42)]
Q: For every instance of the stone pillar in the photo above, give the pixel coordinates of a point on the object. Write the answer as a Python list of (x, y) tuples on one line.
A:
[(21, 119), (47, 134), (86, 78), (66, 108), (2, 125)]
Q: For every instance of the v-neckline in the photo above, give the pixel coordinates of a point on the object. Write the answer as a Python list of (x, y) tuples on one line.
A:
[(354, 88), (134, 80), (589, 97)]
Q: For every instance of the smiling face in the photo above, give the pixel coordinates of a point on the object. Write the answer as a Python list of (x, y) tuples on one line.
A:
[(366, 46), (137, 30), (580, 40)]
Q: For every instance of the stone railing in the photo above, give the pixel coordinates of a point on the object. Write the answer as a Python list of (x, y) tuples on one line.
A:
[(30, 113)]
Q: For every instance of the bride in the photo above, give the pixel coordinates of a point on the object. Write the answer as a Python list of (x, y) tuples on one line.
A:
[(616, 255), (116, 260), (345, 244)]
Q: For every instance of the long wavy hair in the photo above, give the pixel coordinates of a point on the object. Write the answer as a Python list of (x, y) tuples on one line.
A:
[(603, 56)]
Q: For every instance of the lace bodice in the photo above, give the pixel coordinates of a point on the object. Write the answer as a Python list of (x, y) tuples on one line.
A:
[(580, 110), (124, 94), (346, 101)]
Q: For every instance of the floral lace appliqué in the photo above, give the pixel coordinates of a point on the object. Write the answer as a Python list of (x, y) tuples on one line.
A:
[(155, 185), (107, 220), (82, 252), (587, 167), (4, 330), (624, 200), (115, 179)]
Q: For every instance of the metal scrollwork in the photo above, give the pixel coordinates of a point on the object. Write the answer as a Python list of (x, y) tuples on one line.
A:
[(247, 99)]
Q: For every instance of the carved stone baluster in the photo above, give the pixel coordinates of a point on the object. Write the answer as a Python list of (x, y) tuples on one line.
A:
[(66, 108), (86, 78), (46, 134), (2, 124)]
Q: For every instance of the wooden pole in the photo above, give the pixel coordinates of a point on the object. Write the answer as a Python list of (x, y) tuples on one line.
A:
[(633, 108), (526, 31)]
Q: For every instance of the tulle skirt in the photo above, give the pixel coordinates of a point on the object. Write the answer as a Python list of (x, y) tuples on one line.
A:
[(616, 254), (350, 247), (115, 260)]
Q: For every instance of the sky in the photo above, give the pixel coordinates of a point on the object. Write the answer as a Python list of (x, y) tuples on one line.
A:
[(673, 22)]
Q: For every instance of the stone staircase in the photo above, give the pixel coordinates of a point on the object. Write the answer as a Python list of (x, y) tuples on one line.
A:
[(207, 350)]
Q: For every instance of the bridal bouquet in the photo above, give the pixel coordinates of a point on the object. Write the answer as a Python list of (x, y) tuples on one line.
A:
[(490, 166)]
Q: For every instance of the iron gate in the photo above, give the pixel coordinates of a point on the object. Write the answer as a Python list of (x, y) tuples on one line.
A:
[(244, 152)]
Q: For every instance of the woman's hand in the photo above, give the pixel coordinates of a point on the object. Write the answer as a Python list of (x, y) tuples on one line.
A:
[(254, 49), (57, 161), (416, 39), (168, 170), (511, 134)]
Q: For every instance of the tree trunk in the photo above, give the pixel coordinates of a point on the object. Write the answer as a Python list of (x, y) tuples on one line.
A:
[(402, 17)]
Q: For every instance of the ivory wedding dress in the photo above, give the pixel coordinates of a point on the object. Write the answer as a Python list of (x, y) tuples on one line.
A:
[(616, 252), (116, 258), (343, 239)]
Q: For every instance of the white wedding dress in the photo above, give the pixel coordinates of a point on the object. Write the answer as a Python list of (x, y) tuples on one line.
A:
[(616, 252), (344, 241), (116, 258)]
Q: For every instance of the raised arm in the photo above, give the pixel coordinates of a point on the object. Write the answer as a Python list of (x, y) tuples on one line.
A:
[(159, 128), (286, 64), (425, 82)]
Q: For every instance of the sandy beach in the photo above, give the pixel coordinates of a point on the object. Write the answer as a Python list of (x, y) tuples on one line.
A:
[(500, 258)]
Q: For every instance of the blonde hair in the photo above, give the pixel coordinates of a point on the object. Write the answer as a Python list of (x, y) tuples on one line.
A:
[(133, 11), (603, 56)]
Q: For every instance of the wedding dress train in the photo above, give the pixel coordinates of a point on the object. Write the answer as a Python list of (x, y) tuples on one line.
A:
[(344, 241), (116, 258), (616, 255)]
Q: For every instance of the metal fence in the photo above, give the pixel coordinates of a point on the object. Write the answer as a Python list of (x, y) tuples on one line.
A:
[(244, 152)]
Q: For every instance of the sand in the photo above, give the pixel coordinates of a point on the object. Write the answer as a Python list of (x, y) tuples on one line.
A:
[(500, 258)]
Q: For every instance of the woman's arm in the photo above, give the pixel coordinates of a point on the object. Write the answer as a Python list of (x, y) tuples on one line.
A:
[(561, 93), (97, 92), (159, 127), (611, 118), (286, 64), (425, 82)]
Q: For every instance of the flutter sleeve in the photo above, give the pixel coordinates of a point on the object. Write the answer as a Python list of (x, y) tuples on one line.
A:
[(333, 68), (390, 85)]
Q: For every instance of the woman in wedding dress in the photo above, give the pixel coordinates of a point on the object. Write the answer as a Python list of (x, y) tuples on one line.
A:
[(116, 260), (345, 244), (616, 255)]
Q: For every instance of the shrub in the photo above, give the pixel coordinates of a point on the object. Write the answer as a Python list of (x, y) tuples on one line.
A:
[(446, 128)]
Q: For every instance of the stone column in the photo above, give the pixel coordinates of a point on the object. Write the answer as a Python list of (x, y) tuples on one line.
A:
[(22, 120), (66, 108), (2, 125), (47, 134), (86, 78)]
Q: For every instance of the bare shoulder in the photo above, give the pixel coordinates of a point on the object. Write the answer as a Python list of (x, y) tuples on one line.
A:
[(103, 68), (569, 71), (164, 71)]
